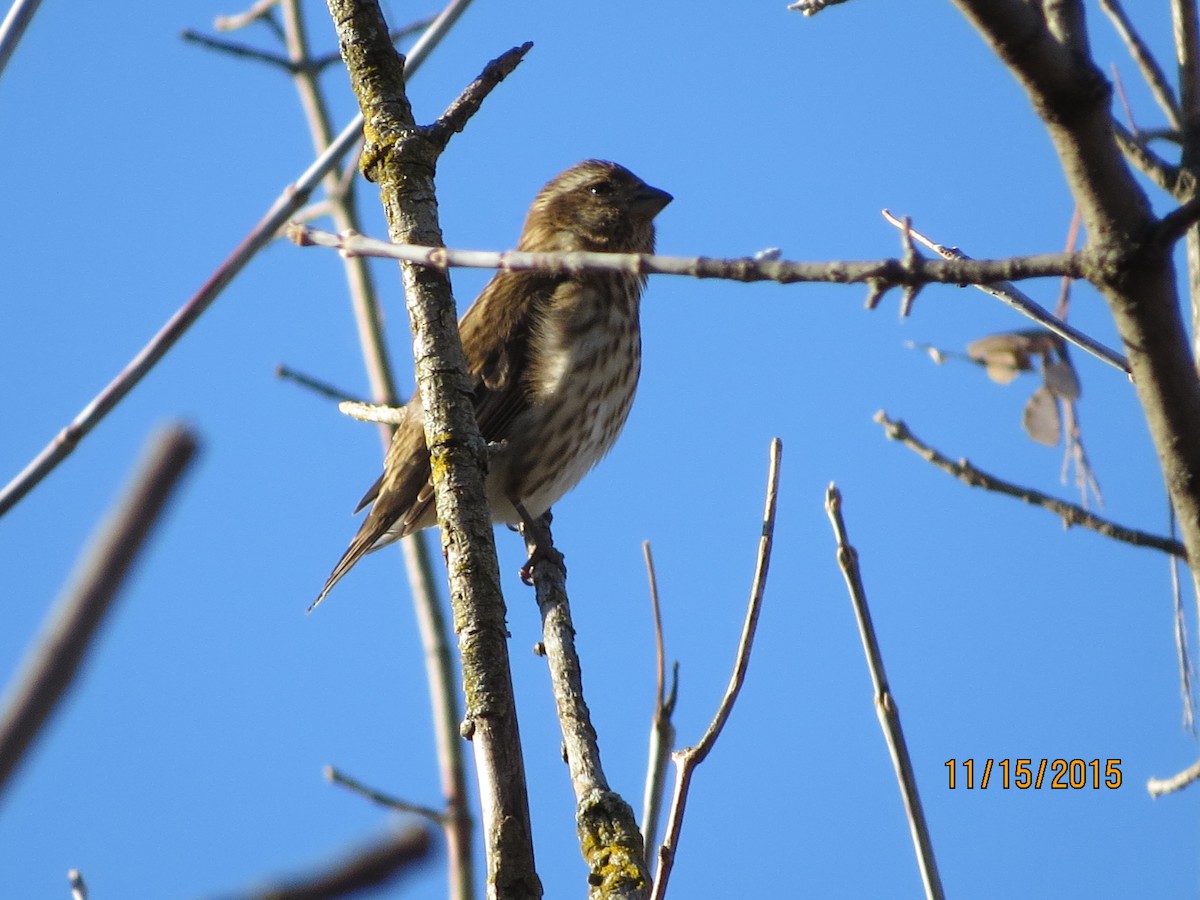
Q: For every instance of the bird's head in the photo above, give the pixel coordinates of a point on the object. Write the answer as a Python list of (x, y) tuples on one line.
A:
[(594, 205)]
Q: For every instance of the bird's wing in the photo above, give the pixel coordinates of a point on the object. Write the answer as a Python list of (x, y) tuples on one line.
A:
[(495, 331)]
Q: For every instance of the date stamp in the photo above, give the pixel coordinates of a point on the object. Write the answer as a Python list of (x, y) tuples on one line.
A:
[(1024, 774)]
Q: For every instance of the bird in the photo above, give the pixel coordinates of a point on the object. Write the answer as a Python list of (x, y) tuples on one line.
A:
[(553, 361)]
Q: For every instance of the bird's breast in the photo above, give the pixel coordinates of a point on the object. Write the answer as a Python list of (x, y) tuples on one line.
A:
[(582, 379)]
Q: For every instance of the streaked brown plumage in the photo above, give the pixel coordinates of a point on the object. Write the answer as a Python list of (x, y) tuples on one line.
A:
[(554, 361)]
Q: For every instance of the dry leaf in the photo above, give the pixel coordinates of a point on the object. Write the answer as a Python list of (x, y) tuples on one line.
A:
[(1041, 418)]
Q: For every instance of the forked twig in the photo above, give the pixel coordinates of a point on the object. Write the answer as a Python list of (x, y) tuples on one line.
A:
[(1070, 513), (293, 197), (662, 729), (1018, 300), (885, 704), (608, 834), (688, 759)]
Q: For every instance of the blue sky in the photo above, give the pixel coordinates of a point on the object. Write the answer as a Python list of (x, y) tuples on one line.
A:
[(187, 760)]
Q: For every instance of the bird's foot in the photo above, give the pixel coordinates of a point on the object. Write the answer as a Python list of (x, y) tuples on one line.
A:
[(538, 542)]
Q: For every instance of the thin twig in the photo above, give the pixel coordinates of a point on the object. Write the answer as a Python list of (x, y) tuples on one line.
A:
[(79, 889), (608, 834), (12, 29), (321, 388), (238, 49), (1162, 173), (373, 412), (891, 272), (293, 197), (662, 729), (885, 703), (259, 10), (1070, 513), (338, 777), (1159, 786), (1021, 302), (1179, 626), (688, 759), (1151, 71), (441, 674), (400, 158), (51, 665), (370, 867)]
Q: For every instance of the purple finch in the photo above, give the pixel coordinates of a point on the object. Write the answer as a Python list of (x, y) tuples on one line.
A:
[(553, 360)]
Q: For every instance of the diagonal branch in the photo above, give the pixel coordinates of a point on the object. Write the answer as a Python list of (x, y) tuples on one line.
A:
[(1019, 300), (608, 832), (1070, 514), (293, 197), (1151, 71), (1072, 98), (400, 157), (687, 760), (885, 703), (67, 635)]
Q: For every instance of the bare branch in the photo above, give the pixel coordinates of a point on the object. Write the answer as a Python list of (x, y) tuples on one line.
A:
[(458, 113), (1175, 224), (1187, 57), (1151, 71), (371, 867), (662, 729), (1019, 300), (79, 889), (1070, 514), (259, 10), (1153, 166), (50, 667), (338, 777), (608, 833), (323, 388), (12, 29), (400, 157), (293, 197), (1073, 100), (1156, 787), (885, 704), (891, 272), (687, 760)]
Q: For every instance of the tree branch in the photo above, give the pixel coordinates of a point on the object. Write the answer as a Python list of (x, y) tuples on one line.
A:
[(885, 704), (608, 832), (1151, 71), (1020, 301), (427, 604), (893, 272), (370, 867), (51, 665), (293, 197), (991, 276), (687, 760), (1072, 98), (400, 157), (1070, 514)]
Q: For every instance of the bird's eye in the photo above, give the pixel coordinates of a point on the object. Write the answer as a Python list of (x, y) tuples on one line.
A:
[(601, 188)]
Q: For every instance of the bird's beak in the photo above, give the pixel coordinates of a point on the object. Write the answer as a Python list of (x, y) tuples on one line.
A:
[(649, 201)]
